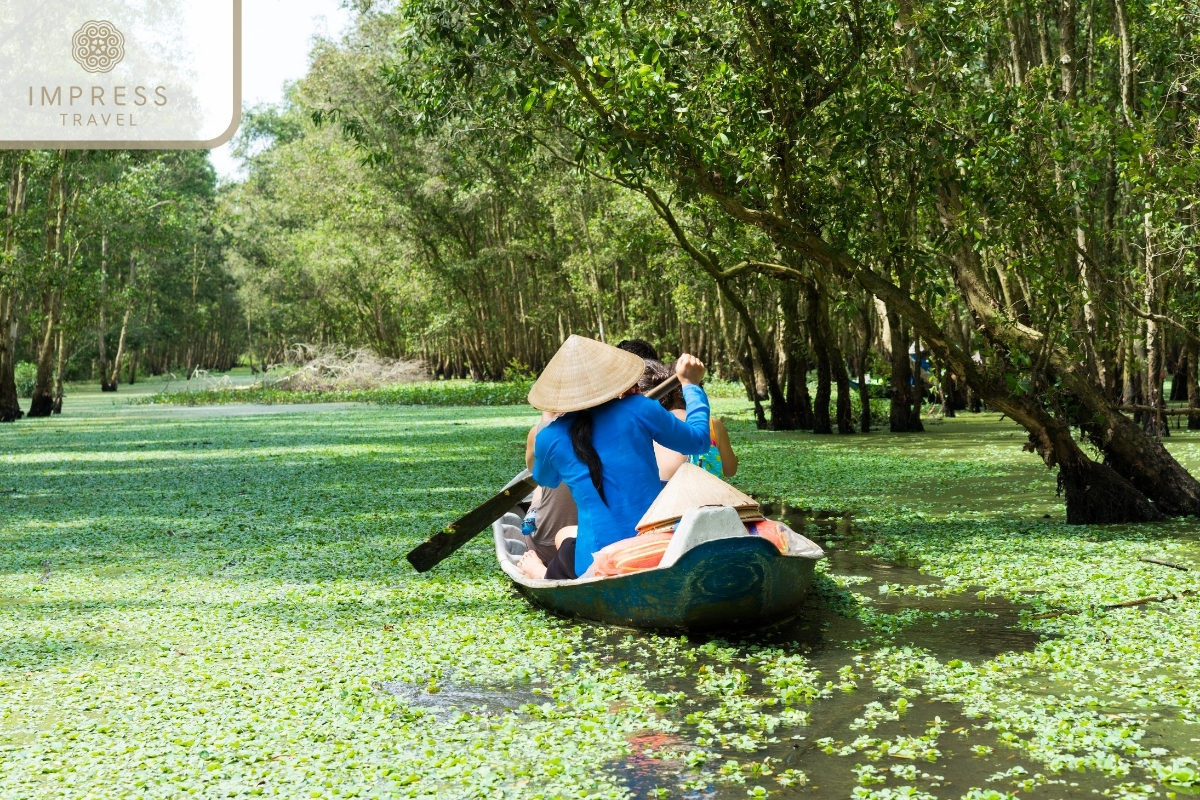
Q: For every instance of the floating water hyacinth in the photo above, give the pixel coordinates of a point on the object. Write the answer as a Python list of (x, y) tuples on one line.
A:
[(220, 605)]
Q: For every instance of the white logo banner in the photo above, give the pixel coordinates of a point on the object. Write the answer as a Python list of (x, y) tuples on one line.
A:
[(119, 73)]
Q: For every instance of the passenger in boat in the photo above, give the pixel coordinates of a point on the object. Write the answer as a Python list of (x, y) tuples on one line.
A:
[(640, 348), (602, 445), (552, 510), (719, 459)]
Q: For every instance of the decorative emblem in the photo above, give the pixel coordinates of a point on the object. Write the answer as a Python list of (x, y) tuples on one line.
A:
[(98, 46)]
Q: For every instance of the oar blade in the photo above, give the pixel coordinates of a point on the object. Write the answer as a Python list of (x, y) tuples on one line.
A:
[(438, 547)]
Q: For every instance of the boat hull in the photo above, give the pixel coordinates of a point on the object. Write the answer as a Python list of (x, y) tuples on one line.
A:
[(728, 584)]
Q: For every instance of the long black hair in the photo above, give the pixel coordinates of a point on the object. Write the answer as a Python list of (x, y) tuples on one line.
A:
[(585, 451)]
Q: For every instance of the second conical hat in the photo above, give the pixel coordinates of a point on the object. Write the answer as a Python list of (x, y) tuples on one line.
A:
[(584, 373), (691, 487)]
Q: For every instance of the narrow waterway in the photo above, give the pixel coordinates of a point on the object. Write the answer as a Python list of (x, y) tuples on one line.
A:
[(962, 626), (851, 738)]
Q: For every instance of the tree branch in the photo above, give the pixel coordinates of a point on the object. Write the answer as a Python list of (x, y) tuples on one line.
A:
[(1160, 318)]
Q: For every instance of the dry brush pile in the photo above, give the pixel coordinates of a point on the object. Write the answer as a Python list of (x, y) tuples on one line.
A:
[(326, 368)]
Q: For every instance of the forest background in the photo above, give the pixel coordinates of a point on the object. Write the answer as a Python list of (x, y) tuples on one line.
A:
[(826, 188)]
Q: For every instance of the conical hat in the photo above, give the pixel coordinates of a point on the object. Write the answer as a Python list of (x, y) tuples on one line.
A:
[(584, 373), (691, 487)]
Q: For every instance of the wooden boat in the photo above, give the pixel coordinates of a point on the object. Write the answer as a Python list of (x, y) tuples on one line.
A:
[(736, 583)]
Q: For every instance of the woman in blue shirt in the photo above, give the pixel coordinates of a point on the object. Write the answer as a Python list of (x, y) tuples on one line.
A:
[(601, 444)]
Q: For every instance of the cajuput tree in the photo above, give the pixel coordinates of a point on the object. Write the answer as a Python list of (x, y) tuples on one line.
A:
[(109, 260), (765, 110)]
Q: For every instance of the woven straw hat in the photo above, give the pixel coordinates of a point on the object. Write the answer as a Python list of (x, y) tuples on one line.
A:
[(692, 487), (583, 374)]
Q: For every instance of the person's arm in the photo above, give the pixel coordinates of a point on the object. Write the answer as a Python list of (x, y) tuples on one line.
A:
[(668, 461), (729, 462), (530, 442), (543, 468), (689, 437)]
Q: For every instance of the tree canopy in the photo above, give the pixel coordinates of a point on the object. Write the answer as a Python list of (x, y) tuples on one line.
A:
[(981, 203)]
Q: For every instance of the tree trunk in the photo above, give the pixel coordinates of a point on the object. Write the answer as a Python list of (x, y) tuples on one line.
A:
[(58, 376), (1016, 62), (739, 355), (1192, 353), (115, 378), (845, 409), (1043, 35), (798, 397), (1139, 360), (798, 406), (10, 407), (974, 403), (901, 375), (1128, 374), (1096, 494), (105, 384), (864, 353), (766, 362), (945, 391), (1125, 64), (957, 395), (42, 404), (1067, 60), (821, 422), (1139, 458), (835, 359), (760, 415), (1179, 378), (1155, 422)]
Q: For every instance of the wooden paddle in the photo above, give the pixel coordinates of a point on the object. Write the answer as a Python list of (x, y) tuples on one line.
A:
[(438, 547)]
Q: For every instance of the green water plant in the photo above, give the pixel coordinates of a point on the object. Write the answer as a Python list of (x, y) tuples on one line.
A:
[(220, 605)]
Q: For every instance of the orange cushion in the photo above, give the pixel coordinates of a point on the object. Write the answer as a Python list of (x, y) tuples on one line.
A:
[(769, 530), (631, 555)]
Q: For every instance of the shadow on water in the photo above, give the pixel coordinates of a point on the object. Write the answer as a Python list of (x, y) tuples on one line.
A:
[(962, 626)]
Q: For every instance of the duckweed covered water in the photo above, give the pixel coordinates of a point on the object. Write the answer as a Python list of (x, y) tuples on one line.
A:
[(216, 603)]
